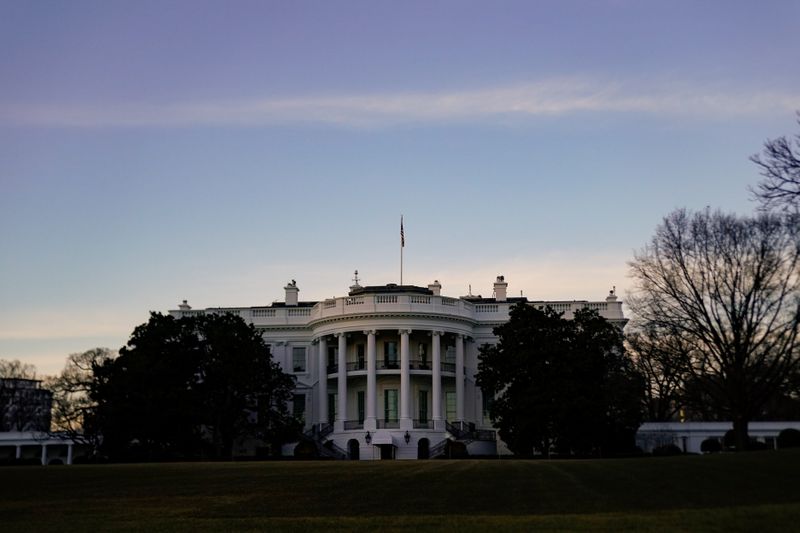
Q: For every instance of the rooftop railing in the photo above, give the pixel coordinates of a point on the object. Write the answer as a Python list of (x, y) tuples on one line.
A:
[(398, 303), (392, 303)]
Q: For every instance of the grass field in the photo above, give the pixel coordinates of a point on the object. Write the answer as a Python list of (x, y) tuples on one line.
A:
[(726, 492)]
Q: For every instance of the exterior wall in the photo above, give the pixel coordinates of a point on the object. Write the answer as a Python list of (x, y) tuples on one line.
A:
[(24, 405), (388, 311), (39, 446)]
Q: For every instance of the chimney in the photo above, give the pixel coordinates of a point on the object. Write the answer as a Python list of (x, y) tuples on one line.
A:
[(291, 293), (500, 287), (435, 287), (184, 306), (612, 294)]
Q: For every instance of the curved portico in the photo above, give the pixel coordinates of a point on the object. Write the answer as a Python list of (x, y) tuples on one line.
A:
[(398, 378)]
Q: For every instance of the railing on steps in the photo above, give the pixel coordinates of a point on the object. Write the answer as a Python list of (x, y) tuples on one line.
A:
[(325, 448), (318, 431), (330, 449), (485, 435), (466, 432), (460, 430), (438, 449)]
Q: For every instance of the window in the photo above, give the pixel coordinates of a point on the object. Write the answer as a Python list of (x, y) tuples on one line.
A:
[(450, 406), (450, 355), (360, 357), (361, 404), (390, 354), (333, 408), (331, 359), (423, 406), (487, 398), (390, 405), (299, 406), (299, 359), (423, 356)]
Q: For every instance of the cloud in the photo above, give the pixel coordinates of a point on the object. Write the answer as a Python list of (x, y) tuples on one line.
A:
[(524, 101)]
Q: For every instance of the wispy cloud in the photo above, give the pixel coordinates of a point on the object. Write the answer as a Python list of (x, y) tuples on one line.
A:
[(544, 98)]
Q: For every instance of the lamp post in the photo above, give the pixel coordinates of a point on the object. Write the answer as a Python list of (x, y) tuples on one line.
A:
[(407, 437), (368, 437)]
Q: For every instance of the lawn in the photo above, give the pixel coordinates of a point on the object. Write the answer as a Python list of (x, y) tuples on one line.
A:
[(726, 492)]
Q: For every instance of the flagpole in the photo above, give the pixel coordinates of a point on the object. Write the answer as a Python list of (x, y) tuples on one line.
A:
[(402, 245)]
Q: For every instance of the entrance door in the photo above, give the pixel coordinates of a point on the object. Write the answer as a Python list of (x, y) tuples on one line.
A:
[(423, 450), (387, 451), (352, 449)]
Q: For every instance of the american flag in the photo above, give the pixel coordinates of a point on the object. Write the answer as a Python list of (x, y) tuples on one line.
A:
[(402, 234)]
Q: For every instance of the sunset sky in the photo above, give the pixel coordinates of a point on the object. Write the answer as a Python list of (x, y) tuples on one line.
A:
[(154, 151)]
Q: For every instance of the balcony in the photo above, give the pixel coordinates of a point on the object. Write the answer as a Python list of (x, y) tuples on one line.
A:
[(420, 364), (353, 424), (390, 364)]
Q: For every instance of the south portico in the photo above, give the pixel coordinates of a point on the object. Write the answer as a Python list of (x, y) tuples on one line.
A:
[(405, 388)]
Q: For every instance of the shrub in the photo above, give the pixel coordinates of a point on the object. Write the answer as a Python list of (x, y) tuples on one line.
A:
[(729, 440), (789, 438), (305, 450), (667, 449), (710, 445), (455, 450)]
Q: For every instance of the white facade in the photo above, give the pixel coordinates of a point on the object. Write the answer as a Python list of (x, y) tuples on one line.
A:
[(47, 448), (389, 371), (688, 436)]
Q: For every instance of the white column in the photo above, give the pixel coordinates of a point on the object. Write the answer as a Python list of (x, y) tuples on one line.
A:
[(405, 381), (460, 378), (342, 414), (44, 454), (436, 389), (69, 454), (19, 451), (370, 422), (323, 381)]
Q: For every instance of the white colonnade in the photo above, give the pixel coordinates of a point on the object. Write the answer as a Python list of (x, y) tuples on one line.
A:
[(371, 419)]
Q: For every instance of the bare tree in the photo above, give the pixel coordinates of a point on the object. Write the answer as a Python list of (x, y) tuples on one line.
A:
[(16, 369), (660, 355), (72, 406), (779, 163), (729, 287)]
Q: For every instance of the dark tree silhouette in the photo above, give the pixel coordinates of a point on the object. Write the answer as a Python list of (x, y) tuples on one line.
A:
[(779, 163), (561, 384), (729, 287), (190, 387)]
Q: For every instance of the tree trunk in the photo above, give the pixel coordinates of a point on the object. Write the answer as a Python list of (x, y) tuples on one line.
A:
[(740, 424)]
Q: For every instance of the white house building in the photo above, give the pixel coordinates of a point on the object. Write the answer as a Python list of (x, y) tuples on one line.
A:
[(389, 371)]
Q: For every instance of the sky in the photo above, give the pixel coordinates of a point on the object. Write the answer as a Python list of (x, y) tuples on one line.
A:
[(155, 151)]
